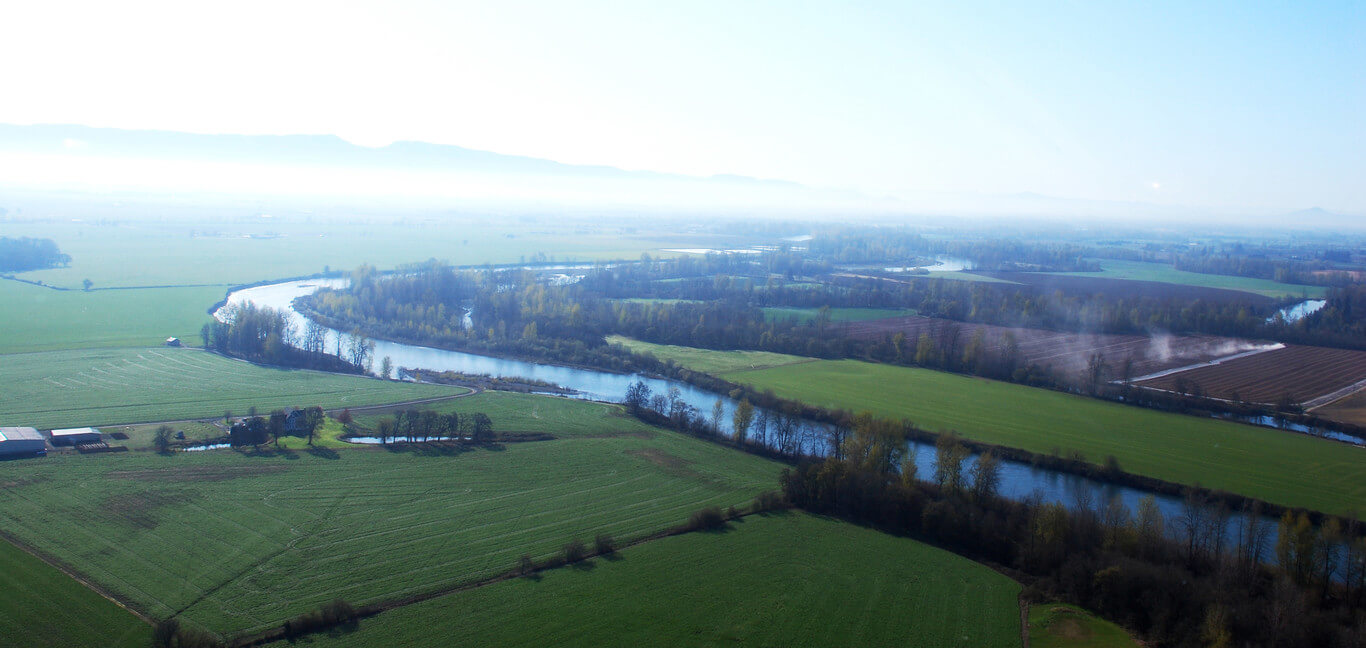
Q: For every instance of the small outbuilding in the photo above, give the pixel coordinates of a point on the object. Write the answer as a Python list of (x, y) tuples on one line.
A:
[(75, 436), (21, 441), (172, 341)]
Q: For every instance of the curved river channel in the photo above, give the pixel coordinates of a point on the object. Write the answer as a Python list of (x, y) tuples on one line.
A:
[(1018, 480)]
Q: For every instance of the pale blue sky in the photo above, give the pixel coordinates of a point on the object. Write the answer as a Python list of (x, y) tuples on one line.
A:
[(1229, 105)]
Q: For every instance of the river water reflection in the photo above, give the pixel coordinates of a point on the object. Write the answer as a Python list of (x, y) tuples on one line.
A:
[(1018, 480)]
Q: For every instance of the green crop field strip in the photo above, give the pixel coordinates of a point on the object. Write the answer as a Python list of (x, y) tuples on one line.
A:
[(772, 580), (40, 319), (807, 315), (1054, 625), (239, 542), (108, 386), (709, 361), (1161, 272), (1273, 465), (41, 606)]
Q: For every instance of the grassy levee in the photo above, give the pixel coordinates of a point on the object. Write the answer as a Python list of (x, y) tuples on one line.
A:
[(109, 386), (239, 542), (708, 361), (41, 606), (1161, 272), (1272, 465), (1055, 625), (789, 579)]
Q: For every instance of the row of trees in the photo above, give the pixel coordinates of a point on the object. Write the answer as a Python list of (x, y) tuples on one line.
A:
[(1178, 582), (263, 334), (258, 430), (428, 425)]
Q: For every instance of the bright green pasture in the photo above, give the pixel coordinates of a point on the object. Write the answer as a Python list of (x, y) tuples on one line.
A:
[(1054, 625), (41, 606), (1273, 465), (1144, 271), (109, 386), (807, 315), (33, 318), (706, 360), (772, 580), (239, 542)]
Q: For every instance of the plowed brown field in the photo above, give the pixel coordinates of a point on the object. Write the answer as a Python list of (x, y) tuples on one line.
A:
[(1309, 375)]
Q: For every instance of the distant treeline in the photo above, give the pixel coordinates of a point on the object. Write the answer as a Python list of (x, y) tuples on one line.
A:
[(1239, 263), (864, 245), (24, 253), (1177, 583)]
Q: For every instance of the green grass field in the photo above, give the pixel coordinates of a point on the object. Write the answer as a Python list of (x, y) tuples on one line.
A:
[(239, 542), (771, 580), (704, 360), (1161, 272), (41, 319), (807, 315), (154, 253), (110, 386), (1054, 625), (41, 606), (1273, 465)]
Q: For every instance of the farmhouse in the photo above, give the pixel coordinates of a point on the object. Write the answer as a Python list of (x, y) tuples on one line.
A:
[(17, 441), (172, 342), (75, 436)]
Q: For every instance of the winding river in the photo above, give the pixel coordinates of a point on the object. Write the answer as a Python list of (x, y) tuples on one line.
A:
[(1018, 480)]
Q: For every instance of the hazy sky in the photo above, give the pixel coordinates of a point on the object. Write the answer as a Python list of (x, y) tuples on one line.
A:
[(1245, 104)]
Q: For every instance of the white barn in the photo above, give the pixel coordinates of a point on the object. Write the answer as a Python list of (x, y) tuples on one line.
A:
[(16, 441), (75, 436)]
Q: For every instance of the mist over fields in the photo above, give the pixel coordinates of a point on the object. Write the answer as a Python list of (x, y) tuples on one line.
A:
[(80, 159)]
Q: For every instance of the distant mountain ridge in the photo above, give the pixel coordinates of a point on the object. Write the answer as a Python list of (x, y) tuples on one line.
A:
[(313, 150)]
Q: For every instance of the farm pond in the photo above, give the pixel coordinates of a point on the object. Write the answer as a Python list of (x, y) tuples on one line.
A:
[(1018, 480)]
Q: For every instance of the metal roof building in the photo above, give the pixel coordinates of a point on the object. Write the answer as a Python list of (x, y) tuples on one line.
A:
[(21, 441), (75, 436)]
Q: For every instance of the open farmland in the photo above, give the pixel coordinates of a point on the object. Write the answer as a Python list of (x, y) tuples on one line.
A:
[(1307, 375), (708, 361), (1150, 273), (75, 388), (769, 580), (1066, 352), (241, 541), (808, 315), (1349, 409), (1268, 464), (34, 318), (41, 606)]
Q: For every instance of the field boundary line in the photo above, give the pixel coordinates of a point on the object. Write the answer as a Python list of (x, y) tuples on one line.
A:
[(76, 576), (373, 609), (1333, 397)]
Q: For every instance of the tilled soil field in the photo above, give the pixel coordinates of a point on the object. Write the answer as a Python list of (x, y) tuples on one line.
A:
[(1309, 375), (1067, 352)]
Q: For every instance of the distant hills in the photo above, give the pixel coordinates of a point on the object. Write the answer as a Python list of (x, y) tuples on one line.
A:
[(326, 165)]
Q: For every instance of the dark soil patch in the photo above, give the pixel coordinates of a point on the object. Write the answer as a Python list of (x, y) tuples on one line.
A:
[(659, 458), (138, 509), (20, 482), (196, 473)]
